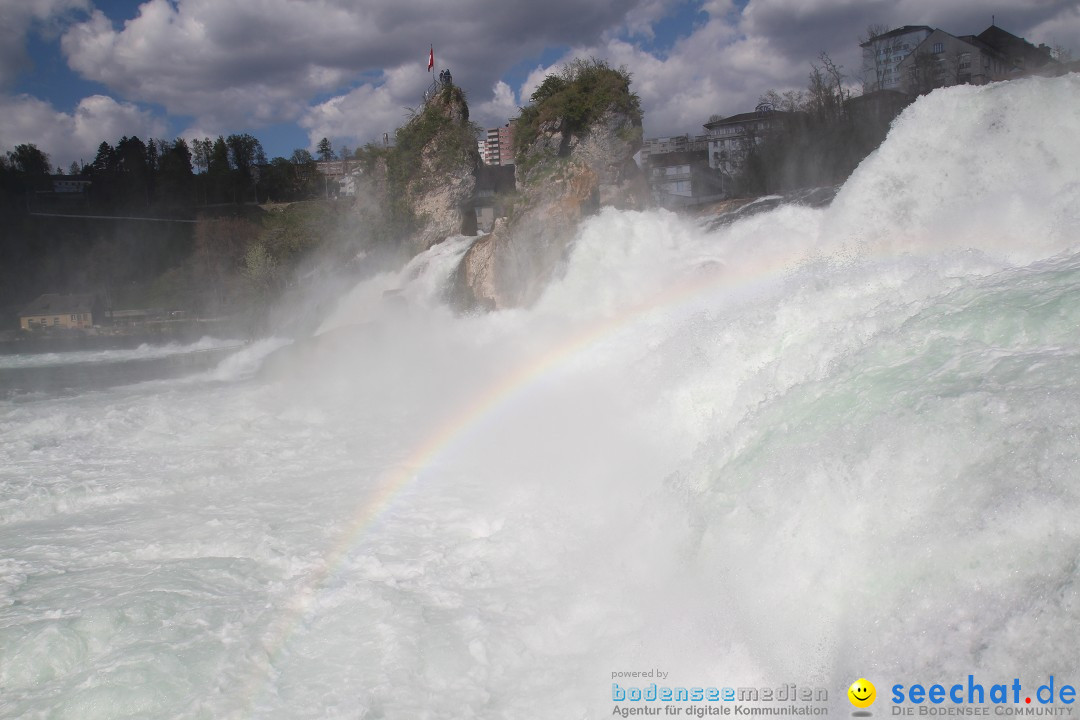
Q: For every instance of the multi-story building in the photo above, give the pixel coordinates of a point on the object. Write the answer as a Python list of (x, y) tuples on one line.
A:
[(882, 53), (681, 178), (943, 59), (1018, 54), (499, 148), (731, 138), (678, 143), (918, 58)]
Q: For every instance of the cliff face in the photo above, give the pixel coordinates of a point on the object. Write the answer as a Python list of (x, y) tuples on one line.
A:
[(440, 187), (419, 191), (574, 155)]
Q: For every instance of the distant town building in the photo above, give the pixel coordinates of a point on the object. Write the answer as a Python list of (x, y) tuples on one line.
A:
[(69, 184), (942, 60), (678, 143), (53, 310), (882, 54), (499, 147), (731, 138), (339, 176), (335, 169), (917, 58), (1019, 55), (682, 178)]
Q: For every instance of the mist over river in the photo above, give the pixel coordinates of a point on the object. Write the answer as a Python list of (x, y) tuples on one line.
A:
[(810, 446)]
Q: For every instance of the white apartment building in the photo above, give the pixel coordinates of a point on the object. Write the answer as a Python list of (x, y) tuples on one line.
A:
[(730, 138), (883, 54), (943, 59)]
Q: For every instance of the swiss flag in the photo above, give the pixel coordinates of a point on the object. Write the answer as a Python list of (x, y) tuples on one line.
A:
[(431, 59)]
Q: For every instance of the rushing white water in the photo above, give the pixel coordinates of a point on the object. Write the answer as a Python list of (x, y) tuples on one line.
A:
[(813, 446), (142, 352)]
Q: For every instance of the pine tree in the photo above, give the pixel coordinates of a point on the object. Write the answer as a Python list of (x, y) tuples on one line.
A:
[(325, 150)]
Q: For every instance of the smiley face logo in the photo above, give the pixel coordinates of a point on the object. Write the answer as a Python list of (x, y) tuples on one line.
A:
[(862, 693)]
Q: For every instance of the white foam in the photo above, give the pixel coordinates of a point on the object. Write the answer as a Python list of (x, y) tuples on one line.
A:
[(143, 351)]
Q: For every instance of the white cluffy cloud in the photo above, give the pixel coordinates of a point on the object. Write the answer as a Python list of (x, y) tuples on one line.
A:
[(722, 63), (364, 114), (73, 136), (234, 63), (731, 57), (348, 70), (16, 19)]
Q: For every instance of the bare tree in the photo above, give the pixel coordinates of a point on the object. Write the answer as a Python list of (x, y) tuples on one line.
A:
[(873, 62), (835, 74), (922, 74), (826, 94), (788, 101)]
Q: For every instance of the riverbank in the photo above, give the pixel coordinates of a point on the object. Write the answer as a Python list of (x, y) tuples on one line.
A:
[(18, 342)]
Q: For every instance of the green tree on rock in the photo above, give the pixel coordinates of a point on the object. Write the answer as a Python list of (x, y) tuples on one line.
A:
[(574, 99)]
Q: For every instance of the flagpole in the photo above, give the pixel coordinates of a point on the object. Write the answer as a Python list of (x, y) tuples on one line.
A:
[(431, 69)]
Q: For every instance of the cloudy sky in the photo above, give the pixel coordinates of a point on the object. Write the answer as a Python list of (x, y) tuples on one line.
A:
[(76, 72)]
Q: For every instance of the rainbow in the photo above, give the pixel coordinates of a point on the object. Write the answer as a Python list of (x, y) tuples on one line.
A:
[(697, 288)]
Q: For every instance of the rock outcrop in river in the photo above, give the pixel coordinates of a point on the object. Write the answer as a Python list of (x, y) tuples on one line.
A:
[(574, 154), (419, 191)]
